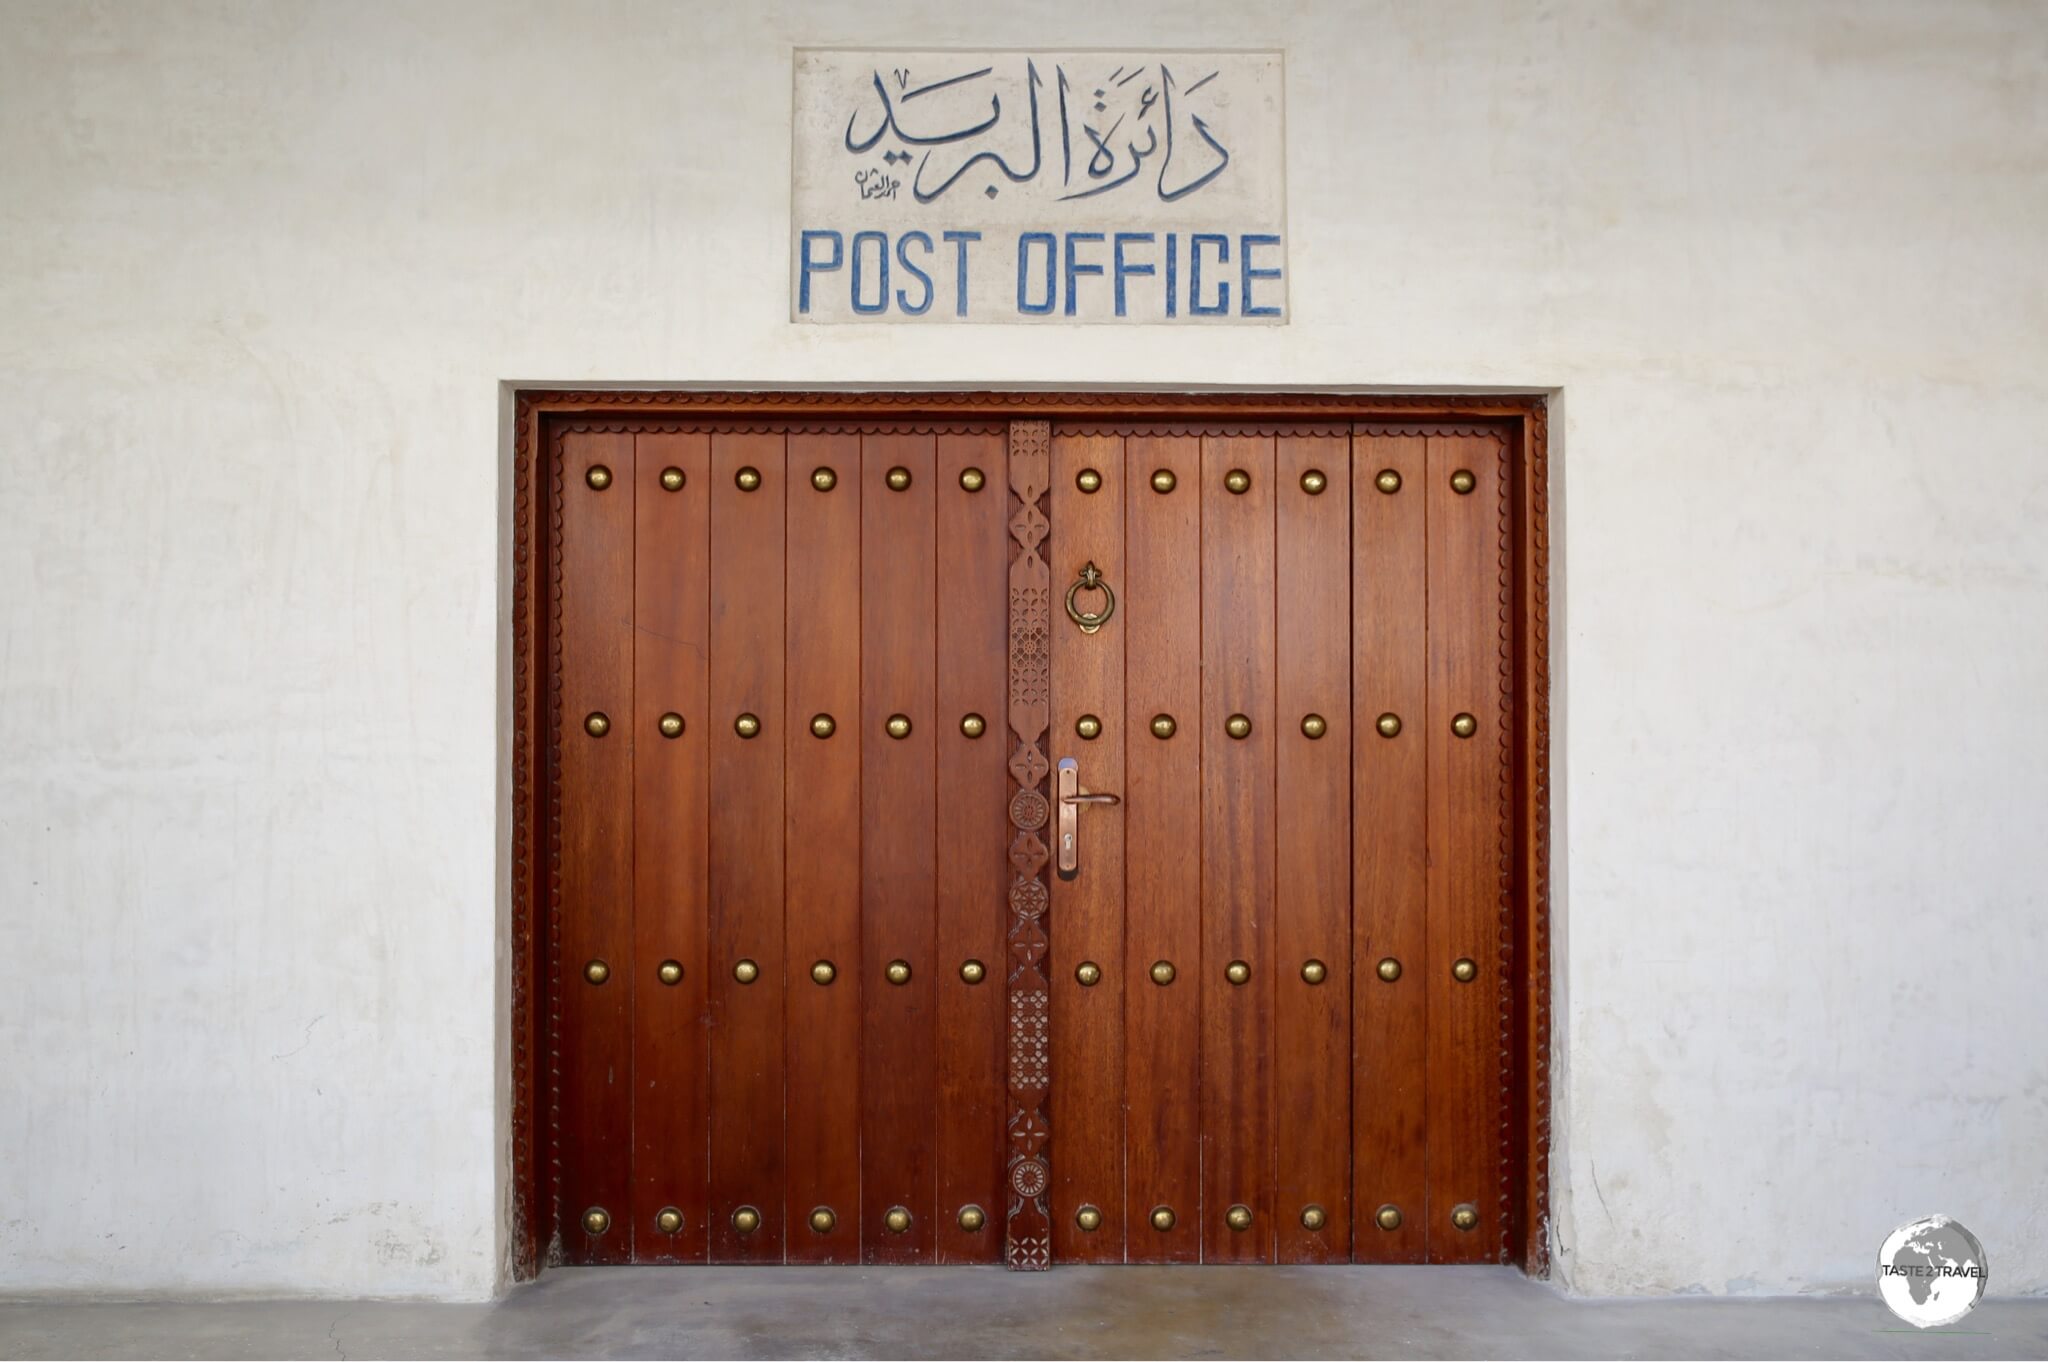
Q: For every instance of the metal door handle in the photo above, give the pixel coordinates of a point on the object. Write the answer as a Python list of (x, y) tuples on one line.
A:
[(1068, 860)]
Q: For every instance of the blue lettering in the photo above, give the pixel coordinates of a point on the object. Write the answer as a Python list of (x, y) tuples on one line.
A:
[(1074, 268), (1172, 275), (959, 241), (1121, 268), (881, 303), (903, 259), (1024, 244), (1246, 274), (1196, 307), (805, 265)]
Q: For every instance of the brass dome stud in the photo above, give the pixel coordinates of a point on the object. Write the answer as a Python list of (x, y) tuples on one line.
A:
[(823, 726), (1313, 1218), (746, 971), (597, 971), (671, 725), (670, 972), (599, 477), (1163, 972), (1464, 1216), (824, 972), (898, 972), (1088, 727), (668, 1220), (973, 725), (748, 479), (1388, 1217), (972, 1218), (1163, 480), (596, 1220), (1238, 972), (1313, 726), (1389, 725), (1464, 725), (747, 726), (1089, 1218), (1238, 481), (1314, 972), (1162, 1218), (1462, 482), (898, 726), (1238, 1217), (746, 1220), (897, 1220), (597, 724), (1238, 726), (1388, 482), (898, 478), (824, 478), (823, 1221), (1464, 970), (972, 479), (1089, 481), (672, 479), (972, 971), (1088, 974), (1313, 482), (1163, 726), (1390, 969)]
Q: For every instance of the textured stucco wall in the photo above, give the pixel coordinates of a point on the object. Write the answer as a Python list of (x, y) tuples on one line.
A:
[(263, 270)]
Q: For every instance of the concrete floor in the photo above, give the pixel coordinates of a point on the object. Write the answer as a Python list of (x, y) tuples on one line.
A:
[(1074, 1312)]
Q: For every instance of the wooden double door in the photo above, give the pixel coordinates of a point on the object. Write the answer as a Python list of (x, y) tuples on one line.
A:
[(1031, 841)]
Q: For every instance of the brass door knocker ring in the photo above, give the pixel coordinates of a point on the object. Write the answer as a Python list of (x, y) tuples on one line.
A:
[(1090, 621)]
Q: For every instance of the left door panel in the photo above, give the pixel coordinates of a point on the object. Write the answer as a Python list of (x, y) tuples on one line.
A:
[(738, 615)]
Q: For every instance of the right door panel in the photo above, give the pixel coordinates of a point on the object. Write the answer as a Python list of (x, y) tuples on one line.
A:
[(1278, 979)]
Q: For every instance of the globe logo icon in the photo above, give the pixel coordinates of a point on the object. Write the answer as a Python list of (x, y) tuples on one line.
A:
[(1931, 1271)]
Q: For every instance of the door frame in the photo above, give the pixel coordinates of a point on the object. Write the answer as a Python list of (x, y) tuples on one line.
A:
[(540, 415)]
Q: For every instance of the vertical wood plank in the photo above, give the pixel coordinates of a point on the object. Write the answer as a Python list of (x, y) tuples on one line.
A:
[(1312, 1017), (824, 828), (671, 886), (973, 644), (1237, 847), (1162, 595), (1467, 846), (898, 870), (746, 827), (596, 850), (1087, 1022), (1390, 604)]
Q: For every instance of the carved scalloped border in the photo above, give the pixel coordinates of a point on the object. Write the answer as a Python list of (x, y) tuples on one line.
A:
[(652, 425), (1436, 428), (1216, 430), (1536, 702), (553, 1248), (1172, 406), (1504, 727), (529, 1214), (524, 1231)]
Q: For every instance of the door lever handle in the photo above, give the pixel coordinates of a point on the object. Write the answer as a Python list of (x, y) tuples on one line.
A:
[(1071, 798)]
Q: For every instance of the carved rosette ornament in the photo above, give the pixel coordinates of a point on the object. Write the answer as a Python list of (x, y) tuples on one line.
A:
[(1028, 1226)]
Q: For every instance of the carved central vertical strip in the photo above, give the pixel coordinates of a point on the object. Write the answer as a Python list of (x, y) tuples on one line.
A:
[(1028, 1225)]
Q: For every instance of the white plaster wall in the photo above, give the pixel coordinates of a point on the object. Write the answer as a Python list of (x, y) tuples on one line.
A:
[(264, 268)]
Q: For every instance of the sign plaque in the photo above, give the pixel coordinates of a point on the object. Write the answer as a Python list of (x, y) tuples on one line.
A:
[(1030, 186)]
